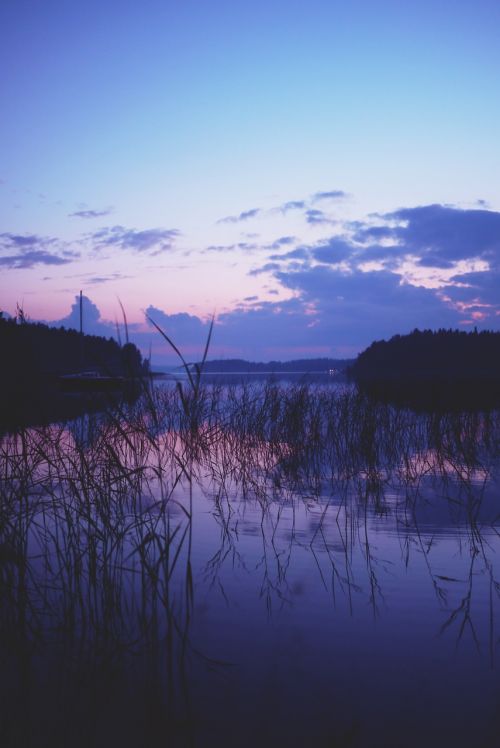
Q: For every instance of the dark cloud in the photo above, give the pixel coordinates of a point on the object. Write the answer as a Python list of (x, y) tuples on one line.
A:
[(22, 242), (137, 240), (182, 328), (30, 259), (437, 235), (333, 251), (364, 233), (479, 287), (358, 307), (390, 256), (353, 307), (244, 216), (447, 233), (31, 250), (90, 213)]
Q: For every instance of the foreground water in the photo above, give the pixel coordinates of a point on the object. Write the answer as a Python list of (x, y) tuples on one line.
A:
[(282, 567)]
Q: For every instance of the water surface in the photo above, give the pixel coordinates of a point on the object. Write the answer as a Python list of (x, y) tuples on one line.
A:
[(298, 566)]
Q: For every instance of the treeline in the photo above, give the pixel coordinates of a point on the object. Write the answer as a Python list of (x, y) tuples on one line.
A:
[(36, 349), (33, 355), (237, 365), (450, 367)]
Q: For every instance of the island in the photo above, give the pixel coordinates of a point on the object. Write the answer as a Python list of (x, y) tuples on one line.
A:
[(443, 369)]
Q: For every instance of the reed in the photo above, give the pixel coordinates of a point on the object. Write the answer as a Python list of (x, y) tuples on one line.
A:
[(96, 524)]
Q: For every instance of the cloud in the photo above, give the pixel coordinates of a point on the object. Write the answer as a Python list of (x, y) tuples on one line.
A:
[(184, 329), (332, 195), (301, 253), (27, 250), (314, 217), (357, 307), (22, 242), (244, 216), (90, 213), (316, 197), (440, 233), (418, 268), (292, 205), (333, 251), (288, 206), (98, 279), (30, 259), (364, 233), (282, 241), (341, 292), (267, 268), (136, 240), (246, 246), (93, 324)]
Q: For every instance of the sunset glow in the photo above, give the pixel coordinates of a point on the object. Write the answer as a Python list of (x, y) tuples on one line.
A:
[(317, 179)]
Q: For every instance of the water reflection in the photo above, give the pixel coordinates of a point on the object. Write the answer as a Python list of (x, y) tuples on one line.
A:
[(294, 566)]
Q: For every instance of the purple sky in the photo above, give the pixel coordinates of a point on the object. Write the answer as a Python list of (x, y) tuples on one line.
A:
[(316, 176)]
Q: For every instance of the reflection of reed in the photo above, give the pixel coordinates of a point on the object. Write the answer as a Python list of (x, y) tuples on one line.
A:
[(96, 532)]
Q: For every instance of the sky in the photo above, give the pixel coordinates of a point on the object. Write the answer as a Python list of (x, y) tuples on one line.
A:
[(314, 175)]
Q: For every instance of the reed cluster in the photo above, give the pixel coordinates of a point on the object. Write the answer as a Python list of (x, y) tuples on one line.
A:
[(96, 523)]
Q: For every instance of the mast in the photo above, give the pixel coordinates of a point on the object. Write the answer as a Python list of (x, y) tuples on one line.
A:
[(81, 331)]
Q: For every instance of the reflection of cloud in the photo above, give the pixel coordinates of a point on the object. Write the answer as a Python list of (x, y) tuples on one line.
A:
[(136, 240)]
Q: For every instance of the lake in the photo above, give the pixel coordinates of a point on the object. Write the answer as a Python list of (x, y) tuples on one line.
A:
[(252, 565)]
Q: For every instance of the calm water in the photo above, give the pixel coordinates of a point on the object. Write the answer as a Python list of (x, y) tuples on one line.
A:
[(336, 587)]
